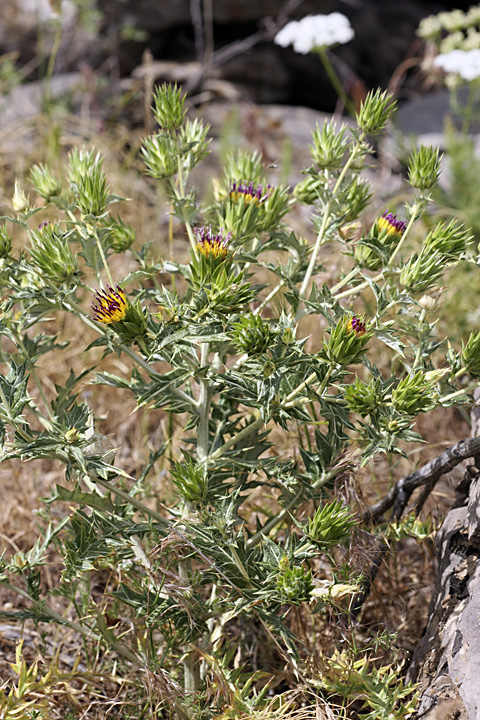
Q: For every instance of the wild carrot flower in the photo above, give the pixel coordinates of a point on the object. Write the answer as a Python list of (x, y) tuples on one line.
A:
[(391, 225), (356, 325), (211, 245), (248, 192), (314, 31), (109, 305)]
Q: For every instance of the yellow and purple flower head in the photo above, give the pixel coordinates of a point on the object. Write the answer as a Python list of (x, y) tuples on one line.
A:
[(356, 325), (249, 192), (109, 305), (390, 224), (210, 244)]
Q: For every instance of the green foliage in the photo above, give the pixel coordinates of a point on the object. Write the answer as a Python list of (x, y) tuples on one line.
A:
[(246, 359)]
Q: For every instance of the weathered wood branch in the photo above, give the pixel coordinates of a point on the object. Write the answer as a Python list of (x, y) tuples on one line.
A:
[(400, 493)]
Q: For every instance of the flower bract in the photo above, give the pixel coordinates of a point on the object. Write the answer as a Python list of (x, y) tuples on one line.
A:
[(315, 31), (109, 305)]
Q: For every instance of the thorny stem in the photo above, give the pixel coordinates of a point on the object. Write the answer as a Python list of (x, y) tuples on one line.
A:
[(326, 215), (54, 615), (419, 347)]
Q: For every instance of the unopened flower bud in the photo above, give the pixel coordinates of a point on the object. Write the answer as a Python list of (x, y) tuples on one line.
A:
[(20, 201)]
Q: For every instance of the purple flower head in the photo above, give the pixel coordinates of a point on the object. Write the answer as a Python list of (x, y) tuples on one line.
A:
[(109, 305), (248, 192), (391, 225), (356, 325), (209, 244)]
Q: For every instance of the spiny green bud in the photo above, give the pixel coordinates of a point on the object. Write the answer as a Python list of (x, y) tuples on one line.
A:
[(329, 146), (5, 241), (160, 155), (168, 107), (92, 192), (193, 142), (363, 398), (52, 254), (424, 167), (20, 201), (81, 163), (308, 190), (417, 393), (470, 355), (347, 341), (294, 584), (118, 235), (450, 240), (252, 334), (191, 480), (45, 182), (375, 112), (354, 199), (331, 524), (422, 272)]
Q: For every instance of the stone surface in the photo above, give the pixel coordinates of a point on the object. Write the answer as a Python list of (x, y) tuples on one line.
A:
[(446, 662)]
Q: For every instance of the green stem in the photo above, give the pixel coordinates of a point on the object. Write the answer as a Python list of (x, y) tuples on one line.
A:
[(468, 389), (318, 243), (270, 295), (366, 284), (345, 280), (51, 66), (103, 256), (418, 354), (334, 79), (236, 438), (313, 376), (188, 226), (130, 499), (203, 406)]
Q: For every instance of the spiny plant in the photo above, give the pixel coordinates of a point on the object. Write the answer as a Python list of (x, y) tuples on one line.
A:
[(253, 534)]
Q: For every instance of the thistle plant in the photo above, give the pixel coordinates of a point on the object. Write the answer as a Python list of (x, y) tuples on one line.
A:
[(245, 345)]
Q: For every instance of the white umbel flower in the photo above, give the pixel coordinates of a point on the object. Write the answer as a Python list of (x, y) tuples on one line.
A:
[(315, 31), (465, 63)]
